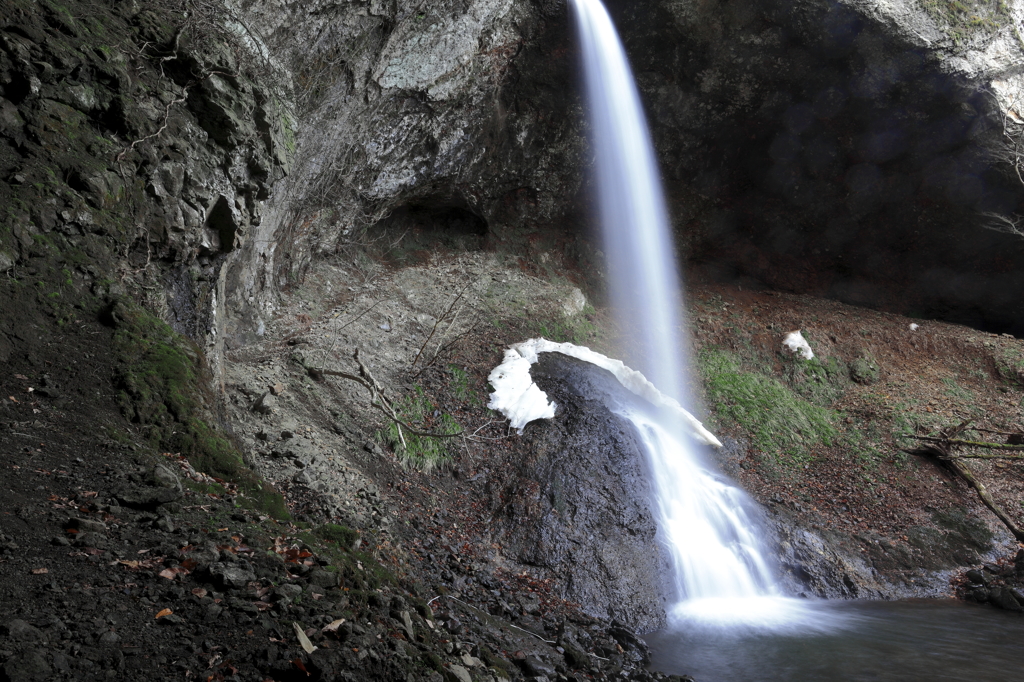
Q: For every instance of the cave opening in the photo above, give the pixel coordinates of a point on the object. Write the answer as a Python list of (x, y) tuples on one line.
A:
[(409, 233), (813, 150)]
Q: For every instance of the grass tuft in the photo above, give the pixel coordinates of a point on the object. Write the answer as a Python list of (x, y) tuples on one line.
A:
[(779, 422)]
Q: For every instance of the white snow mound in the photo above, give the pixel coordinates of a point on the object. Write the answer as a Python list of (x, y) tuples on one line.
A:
[(518, 398), (796, 343)]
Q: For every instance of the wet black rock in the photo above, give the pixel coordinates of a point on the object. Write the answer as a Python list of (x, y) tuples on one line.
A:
[(581, 504), (1004, 599)]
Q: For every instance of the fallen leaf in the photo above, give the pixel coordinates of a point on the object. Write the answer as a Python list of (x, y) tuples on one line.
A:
[(129, 564), (307, 645), (333, 625), (40, 571), (13, 399), (168, 573), (298, 664), (221, 530), (21, 376), (199, 592), (163, 612)]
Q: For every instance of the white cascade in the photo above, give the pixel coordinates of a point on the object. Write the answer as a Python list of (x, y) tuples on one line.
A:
[(707, 523)]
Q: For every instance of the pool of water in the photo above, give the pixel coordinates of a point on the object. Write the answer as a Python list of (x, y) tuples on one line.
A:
[(850, 641)]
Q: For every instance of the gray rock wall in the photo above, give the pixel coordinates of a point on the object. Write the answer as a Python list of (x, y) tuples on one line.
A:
[(456, 109)]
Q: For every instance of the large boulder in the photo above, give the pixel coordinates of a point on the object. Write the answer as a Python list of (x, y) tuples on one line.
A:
[(580, 504)]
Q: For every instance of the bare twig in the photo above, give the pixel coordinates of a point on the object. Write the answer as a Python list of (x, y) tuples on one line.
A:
[(381, 402), (163, 127), (438, 322)]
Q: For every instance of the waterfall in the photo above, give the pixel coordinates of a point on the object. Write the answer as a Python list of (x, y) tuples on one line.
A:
[(705, 521)]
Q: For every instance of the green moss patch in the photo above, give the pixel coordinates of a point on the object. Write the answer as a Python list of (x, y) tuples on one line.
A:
[(161, 379), (964, 19), (779, 422)]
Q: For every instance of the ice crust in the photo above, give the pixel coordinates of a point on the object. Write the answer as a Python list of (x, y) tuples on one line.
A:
[(522, 401)]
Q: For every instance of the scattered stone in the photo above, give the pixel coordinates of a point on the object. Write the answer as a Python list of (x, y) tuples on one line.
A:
[(28, 666), (86, 525), (22, 631), (977, 577), (1004, 599), (147, 498), (163, 477), (230, 575), (532, 665), (96, 540), (458, 674), (287, 592), (265, 404)]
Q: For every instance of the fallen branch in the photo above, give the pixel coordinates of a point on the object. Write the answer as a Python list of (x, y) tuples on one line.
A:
[(379, 400), (977, 444), (941, 447)]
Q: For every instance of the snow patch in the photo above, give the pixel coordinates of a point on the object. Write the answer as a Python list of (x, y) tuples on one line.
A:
[(518, 398), (796, 343)]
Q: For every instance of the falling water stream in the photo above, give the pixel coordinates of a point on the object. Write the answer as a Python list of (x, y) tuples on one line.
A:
[(731, 621), (705, 521)]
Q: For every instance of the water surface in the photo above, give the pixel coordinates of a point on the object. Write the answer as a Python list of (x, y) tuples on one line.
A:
[(926, 640)]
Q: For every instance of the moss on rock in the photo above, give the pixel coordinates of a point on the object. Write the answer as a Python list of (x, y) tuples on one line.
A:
[(162, 381)]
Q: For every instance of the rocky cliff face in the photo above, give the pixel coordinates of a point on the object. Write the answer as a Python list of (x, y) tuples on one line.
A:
[(841, 149), (450, 121), (844, 150)]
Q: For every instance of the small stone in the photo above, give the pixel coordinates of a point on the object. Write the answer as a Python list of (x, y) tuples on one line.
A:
[(538, 668), (28, 666), (977, 577), (277, 389), (1004, 599), (407, 624), (163, 477), (109, 638), (287, 592), (86, 525), (265, 404), (146, 498), (96, 540), (459, 674), (22, 631), (471, 661), (324, 579), (230, 576), (165, 524)]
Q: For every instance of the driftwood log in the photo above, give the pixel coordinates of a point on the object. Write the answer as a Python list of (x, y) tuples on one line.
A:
[(944, 448)]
